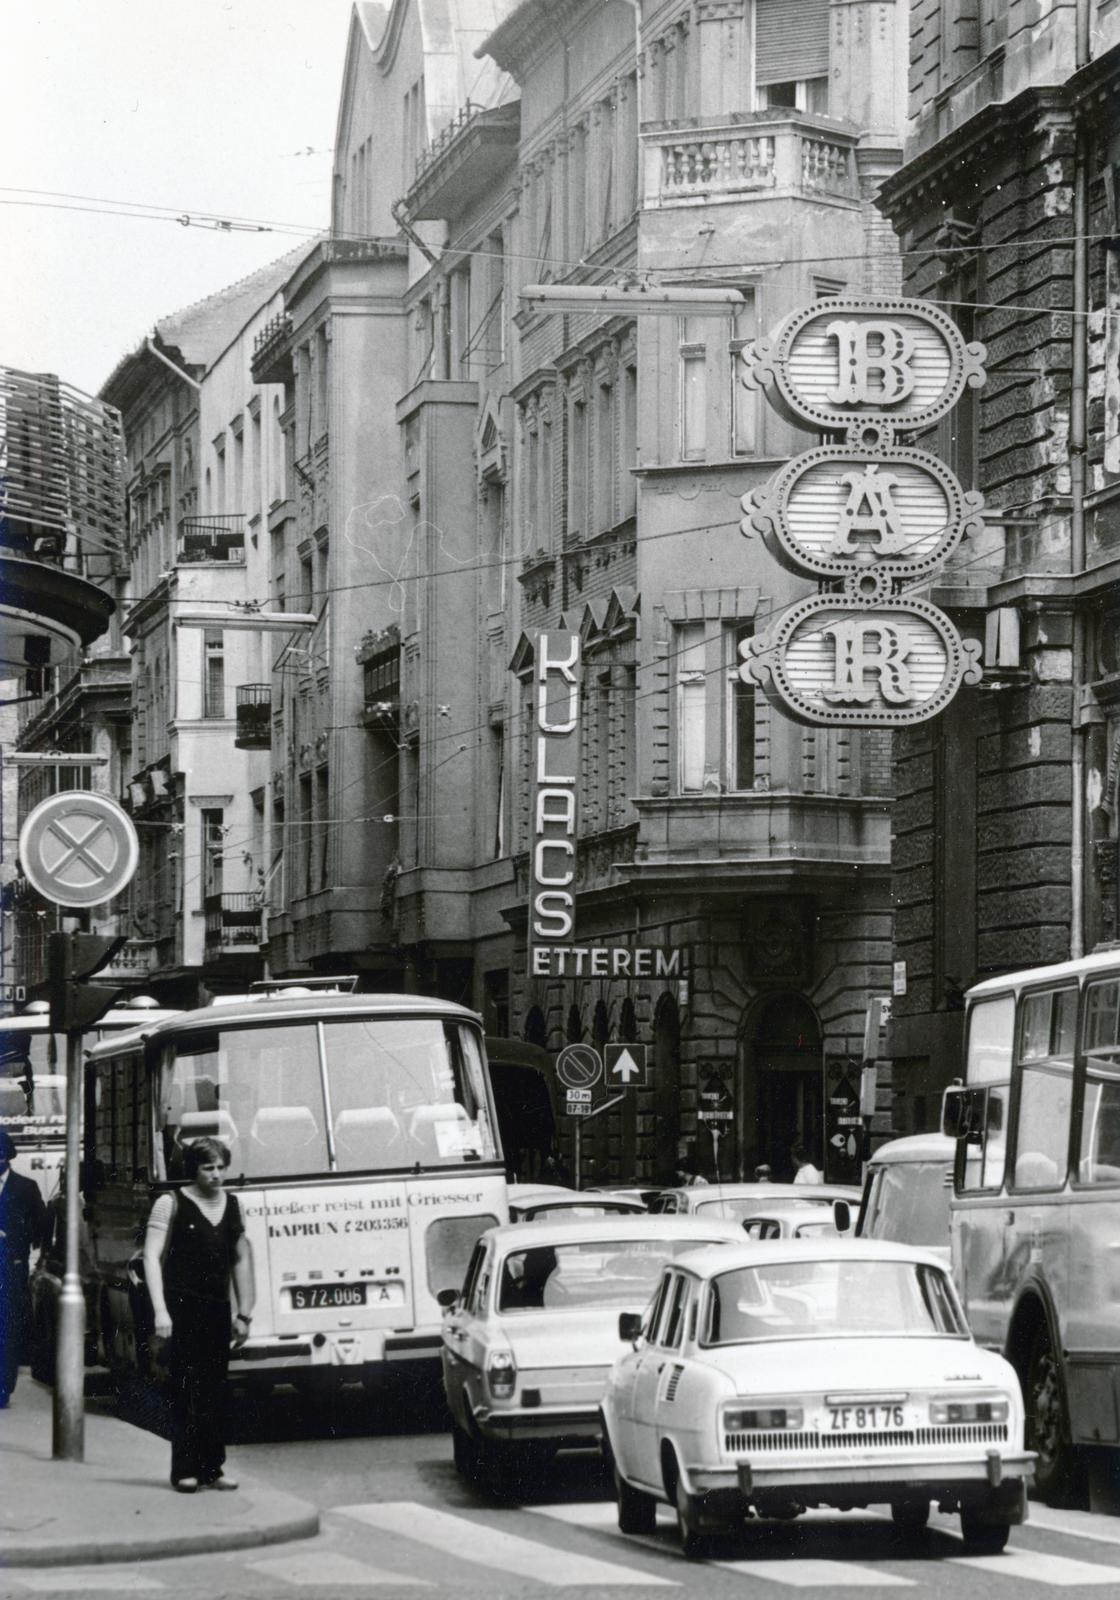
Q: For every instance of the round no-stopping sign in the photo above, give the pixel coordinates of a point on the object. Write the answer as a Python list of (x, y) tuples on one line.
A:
[(78, 849), (579, 1066)]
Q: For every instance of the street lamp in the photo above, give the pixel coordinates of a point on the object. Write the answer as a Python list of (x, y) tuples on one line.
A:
[(634, 300)]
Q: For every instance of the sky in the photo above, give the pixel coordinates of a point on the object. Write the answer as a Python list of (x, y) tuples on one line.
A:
[(219, 106)]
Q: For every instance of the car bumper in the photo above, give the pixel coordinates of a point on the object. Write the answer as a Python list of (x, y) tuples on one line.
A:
[(993, 1478), (580, 1424)]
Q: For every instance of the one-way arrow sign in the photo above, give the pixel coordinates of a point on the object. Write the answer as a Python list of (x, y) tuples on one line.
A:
[(626, 1066)]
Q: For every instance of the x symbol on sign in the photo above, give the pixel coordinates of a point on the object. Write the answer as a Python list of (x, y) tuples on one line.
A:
[(80, 848)]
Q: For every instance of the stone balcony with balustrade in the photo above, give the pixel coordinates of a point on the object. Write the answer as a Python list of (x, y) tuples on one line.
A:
[(766, 155)]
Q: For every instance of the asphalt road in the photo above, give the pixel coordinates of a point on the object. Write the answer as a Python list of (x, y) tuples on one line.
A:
[(399, 1522)]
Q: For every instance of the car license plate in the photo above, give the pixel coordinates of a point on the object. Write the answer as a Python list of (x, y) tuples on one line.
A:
[(320, 1296), (866, 1419)]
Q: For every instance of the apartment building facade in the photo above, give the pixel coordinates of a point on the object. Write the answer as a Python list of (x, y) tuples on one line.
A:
[(205, 481), (581, 473), (1006, 811)]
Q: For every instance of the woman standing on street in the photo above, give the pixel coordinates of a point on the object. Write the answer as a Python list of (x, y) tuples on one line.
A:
[(194, 1244)]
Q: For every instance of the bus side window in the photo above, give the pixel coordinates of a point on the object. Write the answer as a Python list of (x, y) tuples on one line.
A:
[(1046, 1045), (991, 1026), (1098, 1160)]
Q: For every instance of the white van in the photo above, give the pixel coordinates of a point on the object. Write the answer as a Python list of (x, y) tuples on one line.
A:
[(907, 1190)]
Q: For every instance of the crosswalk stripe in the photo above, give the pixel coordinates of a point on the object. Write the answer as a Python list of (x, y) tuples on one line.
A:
[(487, 1546), (68, 1580), (1087, 1525), (798, 1572), (1032, 1566), (600, 1516), (327, 1570)]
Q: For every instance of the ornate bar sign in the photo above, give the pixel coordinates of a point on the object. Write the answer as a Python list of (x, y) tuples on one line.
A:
[(552, 862), (870, 519)]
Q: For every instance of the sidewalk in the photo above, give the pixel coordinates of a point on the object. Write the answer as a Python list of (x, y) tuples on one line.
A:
[(118, 1505)]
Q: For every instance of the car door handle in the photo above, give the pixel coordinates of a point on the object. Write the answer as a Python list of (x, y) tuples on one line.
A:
[(661, 1369)]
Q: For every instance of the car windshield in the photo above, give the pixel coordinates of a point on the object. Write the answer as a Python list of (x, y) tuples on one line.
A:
[(590, 1273), (577, 1209), (734, 1208), (830, 1299), (911, 1204)]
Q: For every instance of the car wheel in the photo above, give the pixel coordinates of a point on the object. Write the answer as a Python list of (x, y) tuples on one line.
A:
[(693, 1542), (497, 1472), (910, 1516), (464, 1453), (1057, 1470), (637, 1511), (981, 1537)]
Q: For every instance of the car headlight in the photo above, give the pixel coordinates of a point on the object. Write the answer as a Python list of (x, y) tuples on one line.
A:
[(945, 1409), (743, 1419), (501, 1374)]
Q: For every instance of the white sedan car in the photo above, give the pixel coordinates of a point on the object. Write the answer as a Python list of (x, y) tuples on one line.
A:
[(529, 1340), (785, 1375), (534, 1202), (791, 1220), (736, 1201)]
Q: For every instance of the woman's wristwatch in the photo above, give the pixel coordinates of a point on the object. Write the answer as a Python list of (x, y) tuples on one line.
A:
[(241, 1317)]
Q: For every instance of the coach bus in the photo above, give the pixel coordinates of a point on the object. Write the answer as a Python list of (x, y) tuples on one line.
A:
[(1036, 1200), (33, 1081), (364, 1155)]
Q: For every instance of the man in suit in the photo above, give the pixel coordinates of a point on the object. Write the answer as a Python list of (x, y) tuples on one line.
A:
[(23, 1222)]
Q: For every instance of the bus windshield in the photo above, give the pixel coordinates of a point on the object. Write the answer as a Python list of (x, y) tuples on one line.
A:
[(356, 1094)]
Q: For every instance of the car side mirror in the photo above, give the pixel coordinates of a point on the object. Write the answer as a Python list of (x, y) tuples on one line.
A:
[(447, 1298), (630, 1326), (842, 1216)]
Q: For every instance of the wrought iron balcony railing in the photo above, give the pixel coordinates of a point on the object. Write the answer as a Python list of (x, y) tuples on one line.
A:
[(254, 716), (233, 923), (214, 538)]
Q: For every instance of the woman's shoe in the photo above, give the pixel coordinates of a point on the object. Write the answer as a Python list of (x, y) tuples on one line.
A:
[(185, 1485), (222, 1482)]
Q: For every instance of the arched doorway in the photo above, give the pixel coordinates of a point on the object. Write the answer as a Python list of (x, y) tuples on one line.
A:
[(781, 1085)]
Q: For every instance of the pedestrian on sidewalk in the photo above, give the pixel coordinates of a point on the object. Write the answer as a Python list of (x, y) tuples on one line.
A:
[(805, 1171), (194, 1245), (23, 1226)]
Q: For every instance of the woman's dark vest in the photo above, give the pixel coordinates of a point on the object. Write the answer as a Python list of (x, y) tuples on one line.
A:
[(201, 1253)]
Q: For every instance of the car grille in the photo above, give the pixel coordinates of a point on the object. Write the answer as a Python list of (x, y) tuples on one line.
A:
[(786, 1441)]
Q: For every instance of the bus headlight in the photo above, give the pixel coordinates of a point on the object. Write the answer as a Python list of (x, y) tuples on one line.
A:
[(501, 1374), (988, 1408)]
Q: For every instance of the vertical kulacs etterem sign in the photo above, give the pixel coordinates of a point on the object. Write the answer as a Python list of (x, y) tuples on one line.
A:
[(552, 857)]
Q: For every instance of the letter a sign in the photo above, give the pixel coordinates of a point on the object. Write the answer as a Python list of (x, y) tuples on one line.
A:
[(870, 518)]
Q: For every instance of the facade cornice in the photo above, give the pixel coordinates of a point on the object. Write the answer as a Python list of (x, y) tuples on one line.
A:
[(535, 26), (933, 169)]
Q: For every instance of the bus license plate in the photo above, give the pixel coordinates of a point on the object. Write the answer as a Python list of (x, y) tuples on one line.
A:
[(320, 1296)]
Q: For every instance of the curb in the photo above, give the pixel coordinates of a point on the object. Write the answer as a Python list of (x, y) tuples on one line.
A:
[(299, 1524)]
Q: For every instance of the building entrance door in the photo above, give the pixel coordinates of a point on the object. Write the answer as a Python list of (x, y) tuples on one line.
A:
[(783, 1077)]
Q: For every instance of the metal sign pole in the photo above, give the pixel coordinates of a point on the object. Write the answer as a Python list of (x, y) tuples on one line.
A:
[(578, 1152), (68, 1438)]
